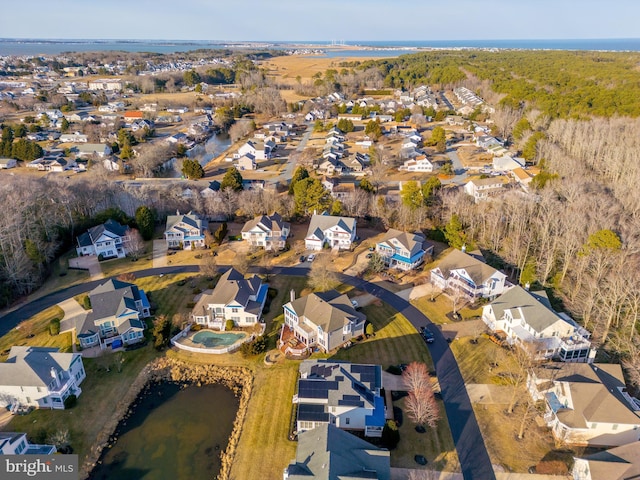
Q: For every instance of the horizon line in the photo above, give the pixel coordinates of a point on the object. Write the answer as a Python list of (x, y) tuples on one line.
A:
[(312, 41)]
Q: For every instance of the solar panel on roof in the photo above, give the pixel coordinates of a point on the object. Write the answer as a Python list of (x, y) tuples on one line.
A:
[(312, 413), (351, 401)]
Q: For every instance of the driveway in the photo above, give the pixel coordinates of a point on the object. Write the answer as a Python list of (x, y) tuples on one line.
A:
[(393, 382), (472, 453), (360, 265), (88, 262), (159, 253), (74, 316)]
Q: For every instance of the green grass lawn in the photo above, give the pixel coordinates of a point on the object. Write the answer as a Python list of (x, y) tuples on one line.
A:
[(474, 360), (437, 310), (101, 391), (35, 332)]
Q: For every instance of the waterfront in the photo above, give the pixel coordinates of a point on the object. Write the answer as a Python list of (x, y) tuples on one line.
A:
[(171, 433)]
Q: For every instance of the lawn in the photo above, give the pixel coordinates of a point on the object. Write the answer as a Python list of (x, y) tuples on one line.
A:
[(474, 360), (35, 332), (101, 391), (170, 294)]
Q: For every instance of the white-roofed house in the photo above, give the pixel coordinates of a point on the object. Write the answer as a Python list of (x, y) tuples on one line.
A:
[(417, 164)]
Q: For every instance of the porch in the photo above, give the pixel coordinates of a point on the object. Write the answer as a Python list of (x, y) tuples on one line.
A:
[(290, 345)]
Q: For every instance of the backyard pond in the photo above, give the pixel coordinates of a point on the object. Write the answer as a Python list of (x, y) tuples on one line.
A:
[(171, 433)]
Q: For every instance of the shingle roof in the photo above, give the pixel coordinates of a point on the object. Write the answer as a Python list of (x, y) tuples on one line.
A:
[(329, 310), (413, 242), (190, 219), (31, 366), (523, 304), (328, 453), (479, 271), (232, 288), (320, 223), (94, 233), (266, 223), (619, 463), (113, 298)]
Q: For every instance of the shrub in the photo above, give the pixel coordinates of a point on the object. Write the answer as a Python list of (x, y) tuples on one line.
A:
[(390, 435), (229, 325), (197, 291), (196, 327), (272, 293), (70, 401), (255, 347), (101, 257), (551, 467), (191, 304), (86, 302), (54, 327), (370, 329), (394, 370)]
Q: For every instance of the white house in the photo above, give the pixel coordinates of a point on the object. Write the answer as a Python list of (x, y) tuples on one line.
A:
[(233, 298), (185, 231), (483, 188), (259, 150), (418, 164), (267, 231), (325, 320), (529, 322), (468, 275), (345, 395), (619, 463), (403, 250), (336, 232), (13, 443), (246, 162), (586, 404), (116, 319), (6, 163), (75, 137), (108, 240), (39, 377), (109, 85), (100, 150)]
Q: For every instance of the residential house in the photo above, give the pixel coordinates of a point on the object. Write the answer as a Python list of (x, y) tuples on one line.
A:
[(461, 272), (211, 189), (522, 177), (619, 463), (132, 115), (403, 250), (116, 319), (233, 298), (484, 188), (39, 377), (6, 163), (100, 150), (454, 120), (338, 190), (530, 322), (418, 164), (328, 453), (487, 141), (75, 137), (107, 240), (267, 231), (586, 404), (259, 150), (324, 320), (12, 443), (340, 394), (336, 232), (185, 231), (109, 85), (507, 163), (246, 162), (52, 163)]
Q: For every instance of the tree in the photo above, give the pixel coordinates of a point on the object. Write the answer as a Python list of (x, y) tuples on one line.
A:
[(366, 185), (61, 439), (145, 219), (134, 243), (437, 135), (191, 77), (64, 125), (376, 263), (126, 152), (430, 187), (520, 128), (421, 404), (209, 267), (161, 332), (321, 278), (345, 125), (220, 233), (390, 435), (411, 195), (370, 330), (530, 148), (373, 129), (528, 273), (232, 179), (192, 169), (229, 324), (300, 173), (454, 232), (26, 150), (310, 195)]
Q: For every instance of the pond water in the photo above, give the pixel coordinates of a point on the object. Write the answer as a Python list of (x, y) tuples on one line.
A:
[(172, 433), (214, 339)]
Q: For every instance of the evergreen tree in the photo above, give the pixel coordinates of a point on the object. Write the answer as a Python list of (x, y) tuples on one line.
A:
[(373, 129), (232, 179), (145, 219), (300, 174), (430, 187), (454, 232), (192, 169), (64, 126), (366, 185), (411, 194), (309, 195)]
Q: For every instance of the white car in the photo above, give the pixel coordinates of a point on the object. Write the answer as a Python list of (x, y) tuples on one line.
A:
[(311, 258)]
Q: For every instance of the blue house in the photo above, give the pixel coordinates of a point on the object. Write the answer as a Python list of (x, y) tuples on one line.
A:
[(403, 250)]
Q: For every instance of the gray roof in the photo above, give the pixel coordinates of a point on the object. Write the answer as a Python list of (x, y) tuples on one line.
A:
[(330, 310), (191, 219), (94, 233), (232, 288), (31, 366), (113, 298), (328, 453), (413, 242), (619, 463), (266, 223), (320, 223), (537, 314)]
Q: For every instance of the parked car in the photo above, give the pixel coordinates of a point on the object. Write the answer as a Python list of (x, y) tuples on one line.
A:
[(302, 258), (427, 335), (311, 258)]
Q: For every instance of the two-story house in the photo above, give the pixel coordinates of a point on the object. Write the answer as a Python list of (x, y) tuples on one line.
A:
[(185, 231), (586, 404), (470, 276), (39, 377), (619, 463), (267, 231), (325, 320), (13, 443), (403, 250), (484, 188), (530, 322), (259, 150), (118, 310), (418, 164), (345, 395), (233, 298), (336, 232), (108, 240), (328, 453)]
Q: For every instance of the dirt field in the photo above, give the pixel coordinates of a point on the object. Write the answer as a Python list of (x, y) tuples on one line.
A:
[(289, 67), (472, 157)]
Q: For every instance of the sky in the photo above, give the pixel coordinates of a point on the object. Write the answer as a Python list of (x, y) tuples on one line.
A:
[(323, 21)]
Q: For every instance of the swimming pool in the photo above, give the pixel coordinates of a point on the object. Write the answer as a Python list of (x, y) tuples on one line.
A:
[(210, 339)]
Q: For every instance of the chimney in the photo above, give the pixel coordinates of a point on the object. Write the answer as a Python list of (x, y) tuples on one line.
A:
[(292, 294), (55, 376)]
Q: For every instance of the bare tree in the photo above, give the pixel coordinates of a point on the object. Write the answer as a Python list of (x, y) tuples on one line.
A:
[(209, 266), (505, 118), (421, 404), (133, 243), (241, 263), (321, 277), (241, 129)]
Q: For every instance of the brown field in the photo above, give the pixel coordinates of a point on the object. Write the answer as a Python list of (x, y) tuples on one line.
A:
[(290, 66), (474, 157)]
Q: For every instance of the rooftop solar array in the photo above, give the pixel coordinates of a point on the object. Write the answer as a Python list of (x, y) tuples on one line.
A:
[(312, 413)]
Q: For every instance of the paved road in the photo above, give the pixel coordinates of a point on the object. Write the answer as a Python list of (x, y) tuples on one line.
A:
[(472, 453), (459, 170), (285, 175)]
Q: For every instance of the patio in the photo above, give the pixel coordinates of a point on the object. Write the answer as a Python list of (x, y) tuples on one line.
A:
[(290, 345)]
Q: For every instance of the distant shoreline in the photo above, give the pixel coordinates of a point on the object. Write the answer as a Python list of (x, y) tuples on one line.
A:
[(29, 46)]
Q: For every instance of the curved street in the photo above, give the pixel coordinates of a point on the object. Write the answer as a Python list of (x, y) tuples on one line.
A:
[(472, 453)]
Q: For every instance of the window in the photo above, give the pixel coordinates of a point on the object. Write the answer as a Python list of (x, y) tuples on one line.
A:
[(594, 425), (614, 427), (347, 421), (234, 310)]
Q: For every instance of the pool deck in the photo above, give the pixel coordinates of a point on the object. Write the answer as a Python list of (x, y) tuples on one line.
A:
[(183, 341)]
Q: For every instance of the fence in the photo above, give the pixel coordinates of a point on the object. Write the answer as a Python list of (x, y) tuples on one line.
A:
[(175, 341)]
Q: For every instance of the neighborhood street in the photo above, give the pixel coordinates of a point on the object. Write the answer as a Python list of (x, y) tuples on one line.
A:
[(472, 453)]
